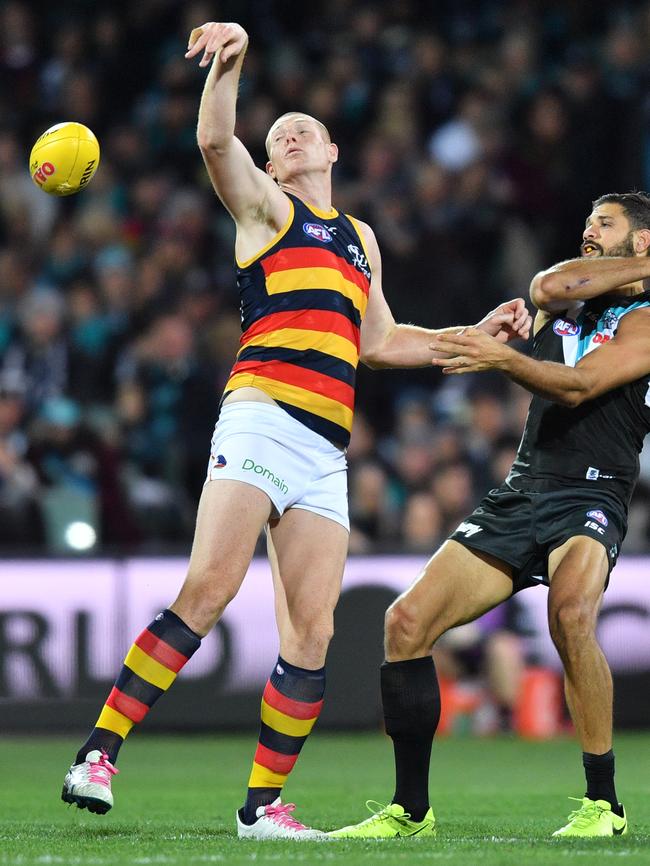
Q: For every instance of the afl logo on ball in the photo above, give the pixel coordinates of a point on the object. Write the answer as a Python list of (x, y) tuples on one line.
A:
[(566, 328), (317, 232)]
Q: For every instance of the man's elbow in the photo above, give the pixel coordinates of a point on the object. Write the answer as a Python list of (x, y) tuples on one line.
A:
[(570, 399), (371, 359), (547, 291), (574, 397), (211, 143), (378, 355)]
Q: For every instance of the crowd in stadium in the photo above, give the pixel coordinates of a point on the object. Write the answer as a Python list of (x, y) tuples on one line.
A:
[(473, 138)]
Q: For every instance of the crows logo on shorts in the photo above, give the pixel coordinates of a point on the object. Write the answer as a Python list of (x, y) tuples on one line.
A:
[(598, 515)]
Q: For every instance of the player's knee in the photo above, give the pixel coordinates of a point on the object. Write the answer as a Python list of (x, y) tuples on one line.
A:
[(404, 630), (571, 622), (204, 597), (314, 630), (306, 640)]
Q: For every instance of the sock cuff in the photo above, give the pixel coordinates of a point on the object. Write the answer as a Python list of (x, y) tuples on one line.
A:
[(300, 672), (423, 663), (589, 758), (175, 618), (298, 684)]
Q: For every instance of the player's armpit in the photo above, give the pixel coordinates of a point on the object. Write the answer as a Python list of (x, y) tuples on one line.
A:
[(623, 359), (541, 318)]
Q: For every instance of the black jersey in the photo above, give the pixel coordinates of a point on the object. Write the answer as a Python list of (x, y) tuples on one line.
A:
[(594, 444)]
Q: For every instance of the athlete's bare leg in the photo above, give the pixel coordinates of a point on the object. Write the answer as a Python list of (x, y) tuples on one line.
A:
[(307, 552), (578, 571), (230, 517), (307, 555), (456, 586)]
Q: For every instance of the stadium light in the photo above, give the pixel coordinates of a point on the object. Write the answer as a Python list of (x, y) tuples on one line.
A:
[(80, 535)]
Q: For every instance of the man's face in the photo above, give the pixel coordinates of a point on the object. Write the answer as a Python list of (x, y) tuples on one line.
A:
[(607, 232), (298, 144)]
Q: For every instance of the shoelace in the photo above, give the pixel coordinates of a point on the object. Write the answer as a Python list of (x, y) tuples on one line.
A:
[(101, 771), (281, 815), (583, 816), (381, 813)]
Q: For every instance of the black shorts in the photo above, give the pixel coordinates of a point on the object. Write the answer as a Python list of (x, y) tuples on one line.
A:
[(521, 528)]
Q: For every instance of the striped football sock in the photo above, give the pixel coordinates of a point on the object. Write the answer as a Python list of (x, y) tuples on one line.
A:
[(291, 703), (150, 667)]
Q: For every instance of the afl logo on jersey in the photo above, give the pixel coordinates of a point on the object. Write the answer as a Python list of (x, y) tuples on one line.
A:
[(566, 327), (317, 232), (599, 516)]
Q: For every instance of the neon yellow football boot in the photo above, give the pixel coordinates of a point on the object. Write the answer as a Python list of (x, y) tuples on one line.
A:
[(387, 822), (593, 818)]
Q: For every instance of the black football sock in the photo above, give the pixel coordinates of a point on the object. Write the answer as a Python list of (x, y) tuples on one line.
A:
[(599, 771), (411, 700)]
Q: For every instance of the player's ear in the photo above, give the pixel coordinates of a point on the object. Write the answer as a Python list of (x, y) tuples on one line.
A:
[(270, 170), (642, 242), (333, 151)]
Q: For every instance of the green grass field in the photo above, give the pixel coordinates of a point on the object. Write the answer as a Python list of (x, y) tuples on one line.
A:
[(496, 800)]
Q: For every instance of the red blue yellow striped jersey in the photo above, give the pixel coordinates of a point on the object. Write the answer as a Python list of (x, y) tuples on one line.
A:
[(303, 298)]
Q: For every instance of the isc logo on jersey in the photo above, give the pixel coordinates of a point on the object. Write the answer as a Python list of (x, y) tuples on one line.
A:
[(566, 327), (317, 232)]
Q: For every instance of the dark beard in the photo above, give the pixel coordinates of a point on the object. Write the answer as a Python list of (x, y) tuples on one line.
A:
[(625, 248)]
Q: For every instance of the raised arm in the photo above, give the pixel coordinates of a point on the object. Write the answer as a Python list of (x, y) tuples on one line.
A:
[(562, 285), (386, 344), (248, 193), (623, 359)]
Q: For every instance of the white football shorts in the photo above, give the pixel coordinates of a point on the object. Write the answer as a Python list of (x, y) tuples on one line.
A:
[(263, 445)]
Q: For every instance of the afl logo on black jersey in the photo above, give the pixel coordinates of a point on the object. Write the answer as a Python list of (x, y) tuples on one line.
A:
[(566, 327)]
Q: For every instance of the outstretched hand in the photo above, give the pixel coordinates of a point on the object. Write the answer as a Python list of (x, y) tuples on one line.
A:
[(213, 37), (509, 321), (470, 351)]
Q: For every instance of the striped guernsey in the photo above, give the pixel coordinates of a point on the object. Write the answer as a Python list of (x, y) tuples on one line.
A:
[(303, 298)]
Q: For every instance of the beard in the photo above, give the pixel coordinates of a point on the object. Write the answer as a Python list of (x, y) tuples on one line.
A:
[(624, 249)]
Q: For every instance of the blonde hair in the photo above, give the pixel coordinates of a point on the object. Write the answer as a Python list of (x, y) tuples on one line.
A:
[(301, 114)]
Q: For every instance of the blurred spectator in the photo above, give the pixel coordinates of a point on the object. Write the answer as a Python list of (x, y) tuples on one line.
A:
[(79, 476), (422, 524), (40, 353), (372, 508), (19, 516), (162, 396), (451, 485)]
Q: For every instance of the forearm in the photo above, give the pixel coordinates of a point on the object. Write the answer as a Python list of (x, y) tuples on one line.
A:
[(216, 124), (550, 380), (407, 346), (585, 278)]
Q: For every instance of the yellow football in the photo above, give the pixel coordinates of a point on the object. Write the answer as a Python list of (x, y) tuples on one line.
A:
[(64, 159)]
